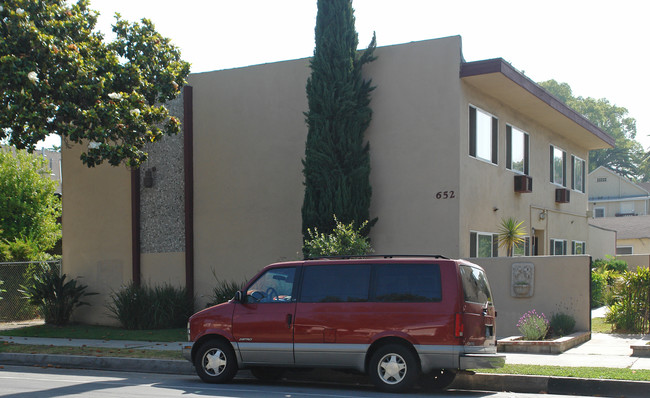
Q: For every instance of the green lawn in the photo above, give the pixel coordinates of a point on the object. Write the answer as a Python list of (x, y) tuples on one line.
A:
[(98, 332), (579, 372), (598, 325)]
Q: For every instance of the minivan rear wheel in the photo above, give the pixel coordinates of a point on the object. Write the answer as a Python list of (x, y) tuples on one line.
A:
[(394, 368), (215, 362)]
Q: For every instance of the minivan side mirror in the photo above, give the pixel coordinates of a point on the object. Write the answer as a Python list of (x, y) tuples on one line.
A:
[(239, 296)]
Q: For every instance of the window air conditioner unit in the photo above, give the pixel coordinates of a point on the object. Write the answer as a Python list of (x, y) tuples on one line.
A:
[(523, 184), (562, 195)]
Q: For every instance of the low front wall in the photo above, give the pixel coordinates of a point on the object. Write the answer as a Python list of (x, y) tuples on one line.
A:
[(561, 284), (635, 261)]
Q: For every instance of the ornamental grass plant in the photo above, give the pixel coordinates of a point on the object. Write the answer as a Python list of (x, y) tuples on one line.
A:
[(533, 326)]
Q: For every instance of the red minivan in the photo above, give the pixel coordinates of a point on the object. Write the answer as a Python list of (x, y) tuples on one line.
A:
[(396, 318)]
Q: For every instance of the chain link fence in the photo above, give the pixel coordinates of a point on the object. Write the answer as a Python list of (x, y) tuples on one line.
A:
[(13, 306)]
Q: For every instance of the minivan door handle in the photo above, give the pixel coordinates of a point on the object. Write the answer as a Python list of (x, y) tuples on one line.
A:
[(289, 320)]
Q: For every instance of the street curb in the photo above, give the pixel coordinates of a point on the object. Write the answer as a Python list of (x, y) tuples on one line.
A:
[(551, 385), (479, 381), (168, 366)]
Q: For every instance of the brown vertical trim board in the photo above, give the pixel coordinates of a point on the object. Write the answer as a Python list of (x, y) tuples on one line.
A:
[(135, 226), (188, 156)]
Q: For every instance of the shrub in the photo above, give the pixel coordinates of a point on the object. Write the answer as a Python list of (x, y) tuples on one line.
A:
[(144, 307), (1, 289), (631, 311), (344, 240), (533, 326), (610, 264), (54, 297), (562, 324), (224, 291), (598, 286)]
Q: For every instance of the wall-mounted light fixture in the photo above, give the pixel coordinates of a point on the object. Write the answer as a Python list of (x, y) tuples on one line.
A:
[(148, 177), (542, 215)]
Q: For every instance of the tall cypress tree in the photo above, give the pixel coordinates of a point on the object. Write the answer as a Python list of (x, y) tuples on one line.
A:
[(337, 158)]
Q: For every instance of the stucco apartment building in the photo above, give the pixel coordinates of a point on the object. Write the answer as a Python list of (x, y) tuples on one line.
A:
[(455, 147)]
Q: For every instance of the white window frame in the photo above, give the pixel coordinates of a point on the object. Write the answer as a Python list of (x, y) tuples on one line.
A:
[(494, 248), (625, 247), (553, 168), (574, 247), (510, 129), (476, 150), (552, 247), (574, 186), (596, 212)]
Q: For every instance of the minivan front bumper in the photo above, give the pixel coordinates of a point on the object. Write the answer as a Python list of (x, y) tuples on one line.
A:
[(187, 351), (482, 361)]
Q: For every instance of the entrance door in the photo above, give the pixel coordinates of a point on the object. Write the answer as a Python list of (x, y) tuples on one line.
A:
[(263, 323)]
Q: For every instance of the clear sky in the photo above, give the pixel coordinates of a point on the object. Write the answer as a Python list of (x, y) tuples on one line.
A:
[(598, 47)]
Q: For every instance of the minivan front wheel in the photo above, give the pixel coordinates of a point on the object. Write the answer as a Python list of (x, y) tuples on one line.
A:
[(394, 368), (215, 362)]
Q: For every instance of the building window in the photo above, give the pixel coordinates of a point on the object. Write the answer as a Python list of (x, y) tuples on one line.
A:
[(601, 179), (483, 244), (483, 135), (624, 250), (578, 247), (517, 150), (558, 166), (578, 172), (558, 247), (599, 212), (522, 249)]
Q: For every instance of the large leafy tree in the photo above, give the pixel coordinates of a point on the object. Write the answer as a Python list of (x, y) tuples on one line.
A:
[(28, 207), (59, 76), (337, 158), (627, 157)]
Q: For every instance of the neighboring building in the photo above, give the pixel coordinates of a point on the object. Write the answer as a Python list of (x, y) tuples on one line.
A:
[(455, 148), (632, 233), (612, 195)]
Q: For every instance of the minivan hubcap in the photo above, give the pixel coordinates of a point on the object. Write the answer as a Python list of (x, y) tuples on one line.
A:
[(214, 362), (392, 368)]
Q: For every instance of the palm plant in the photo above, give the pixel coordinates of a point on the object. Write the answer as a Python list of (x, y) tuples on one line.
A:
[(511, 234)]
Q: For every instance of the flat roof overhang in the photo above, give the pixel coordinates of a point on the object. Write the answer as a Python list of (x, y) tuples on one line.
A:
[(498, 79)]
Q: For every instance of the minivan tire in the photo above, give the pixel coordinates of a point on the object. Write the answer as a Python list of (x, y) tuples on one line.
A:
[(394, 368), (215, 362)]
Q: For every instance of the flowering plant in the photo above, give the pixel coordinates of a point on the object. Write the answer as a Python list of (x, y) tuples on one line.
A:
[(533, 326)]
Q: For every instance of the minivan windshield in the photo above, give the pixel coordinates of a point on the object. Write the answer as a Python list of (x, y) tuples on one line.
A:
[(475, 285)]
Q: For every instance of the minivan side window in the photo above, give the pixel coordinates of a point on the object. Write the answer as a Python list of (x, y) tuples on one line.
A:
[(408, 283), (331, 284), (475, 285), (274, 286)]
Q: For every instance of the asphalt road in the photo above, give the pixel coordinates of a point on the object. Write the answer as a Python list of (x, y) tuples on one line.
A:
[(24, 382)]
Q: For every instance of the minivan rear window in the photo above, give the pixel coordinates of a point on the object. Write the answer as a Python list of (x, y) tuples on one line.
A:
[(331, 284), (408, 283), (475, 285)]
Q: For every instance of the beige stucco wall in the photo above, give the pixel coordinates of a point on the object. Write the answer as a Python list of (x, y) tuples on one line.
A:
[(639, 246), (487, 191), (561, 285), (413, 147), (249, 136), (97, 231), (163, 268), (635, 261), (601, 242)]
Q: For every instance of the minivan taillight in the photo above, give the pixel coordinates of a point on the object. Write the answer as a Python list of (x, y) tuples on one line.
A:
[(460, 326)]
